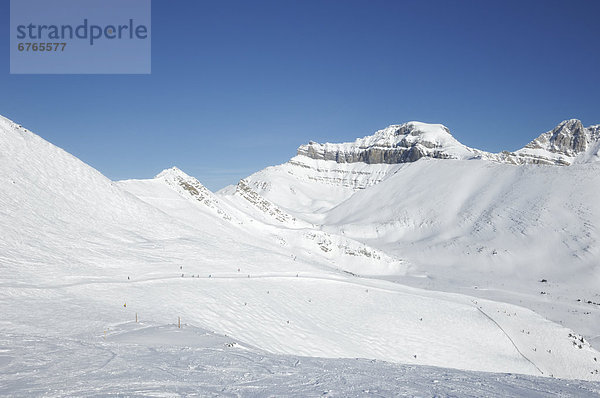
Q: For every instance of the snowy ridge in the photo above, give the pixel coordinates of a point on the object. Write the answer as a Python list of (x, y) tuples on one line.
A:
[(264, 206), (305, 187), (190, 187), (412, 141), (341, 169)]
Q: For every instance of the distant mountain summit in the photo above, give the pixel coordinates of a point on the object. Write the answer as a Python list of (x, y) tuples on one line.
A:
[(412, 141), (562, 145), (402, 143)]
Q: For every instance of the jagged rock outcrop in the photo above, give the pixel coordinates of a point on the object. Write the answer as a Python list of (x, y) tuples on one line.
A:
[(561, 145), (244, 190), (568, 138), (190, 187)]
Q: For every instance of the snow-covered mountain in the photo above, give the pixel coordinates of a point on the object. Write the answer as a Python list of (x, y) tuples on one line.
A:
[(404, 143), (459, 216), (566, 143), (342, 169), (82, 259), (412, 141)]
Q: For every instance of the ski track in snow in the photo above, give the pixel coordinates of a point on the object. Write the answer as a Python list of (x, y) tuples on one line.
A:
[(205, 364), (511, 340)]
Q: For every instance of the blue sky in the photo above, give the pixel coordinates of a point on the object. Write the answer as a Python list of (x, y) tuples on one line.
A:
[(237, 85)]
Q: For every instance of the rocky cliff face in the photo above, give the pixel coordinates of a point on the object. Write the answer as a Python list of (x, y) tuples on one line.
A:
[(561, 145), (569, 138), (412, 141), (244, 190), (395, 144)]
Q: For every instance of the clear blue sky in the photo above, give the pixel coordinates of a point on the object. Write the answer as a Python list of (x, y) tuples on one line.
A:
[(238, 85)]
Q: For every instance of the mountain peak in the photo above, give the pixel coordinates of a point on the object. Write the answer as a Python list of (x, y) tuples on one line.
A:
[(563, 143), (569, 128), (190, 188), (417, 128), (430, 135), (570, 122), (397, 143), (172, 172)]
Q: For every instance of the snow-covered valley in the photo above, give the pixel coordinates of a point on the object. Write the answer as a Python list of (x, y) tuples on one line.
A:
[(316, 276)]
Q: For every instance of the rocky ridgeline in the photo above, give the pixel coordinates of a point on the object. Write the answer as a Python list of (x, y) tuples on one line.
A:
[(190, 187), (412, 141), (244, 190), (373, 155), (561, 145)]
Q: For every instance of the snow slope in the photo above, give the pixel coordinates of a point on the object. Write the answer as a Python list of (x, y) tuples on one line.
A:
[(523, 213), (306, 188), (266, 224), (146, 359), (478, 223), (485, 220), (79, 255)]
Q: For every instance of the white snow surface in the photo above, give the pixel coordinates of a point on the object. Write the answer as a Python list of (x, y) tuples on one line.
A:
[(81, 257), (148, 360)]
